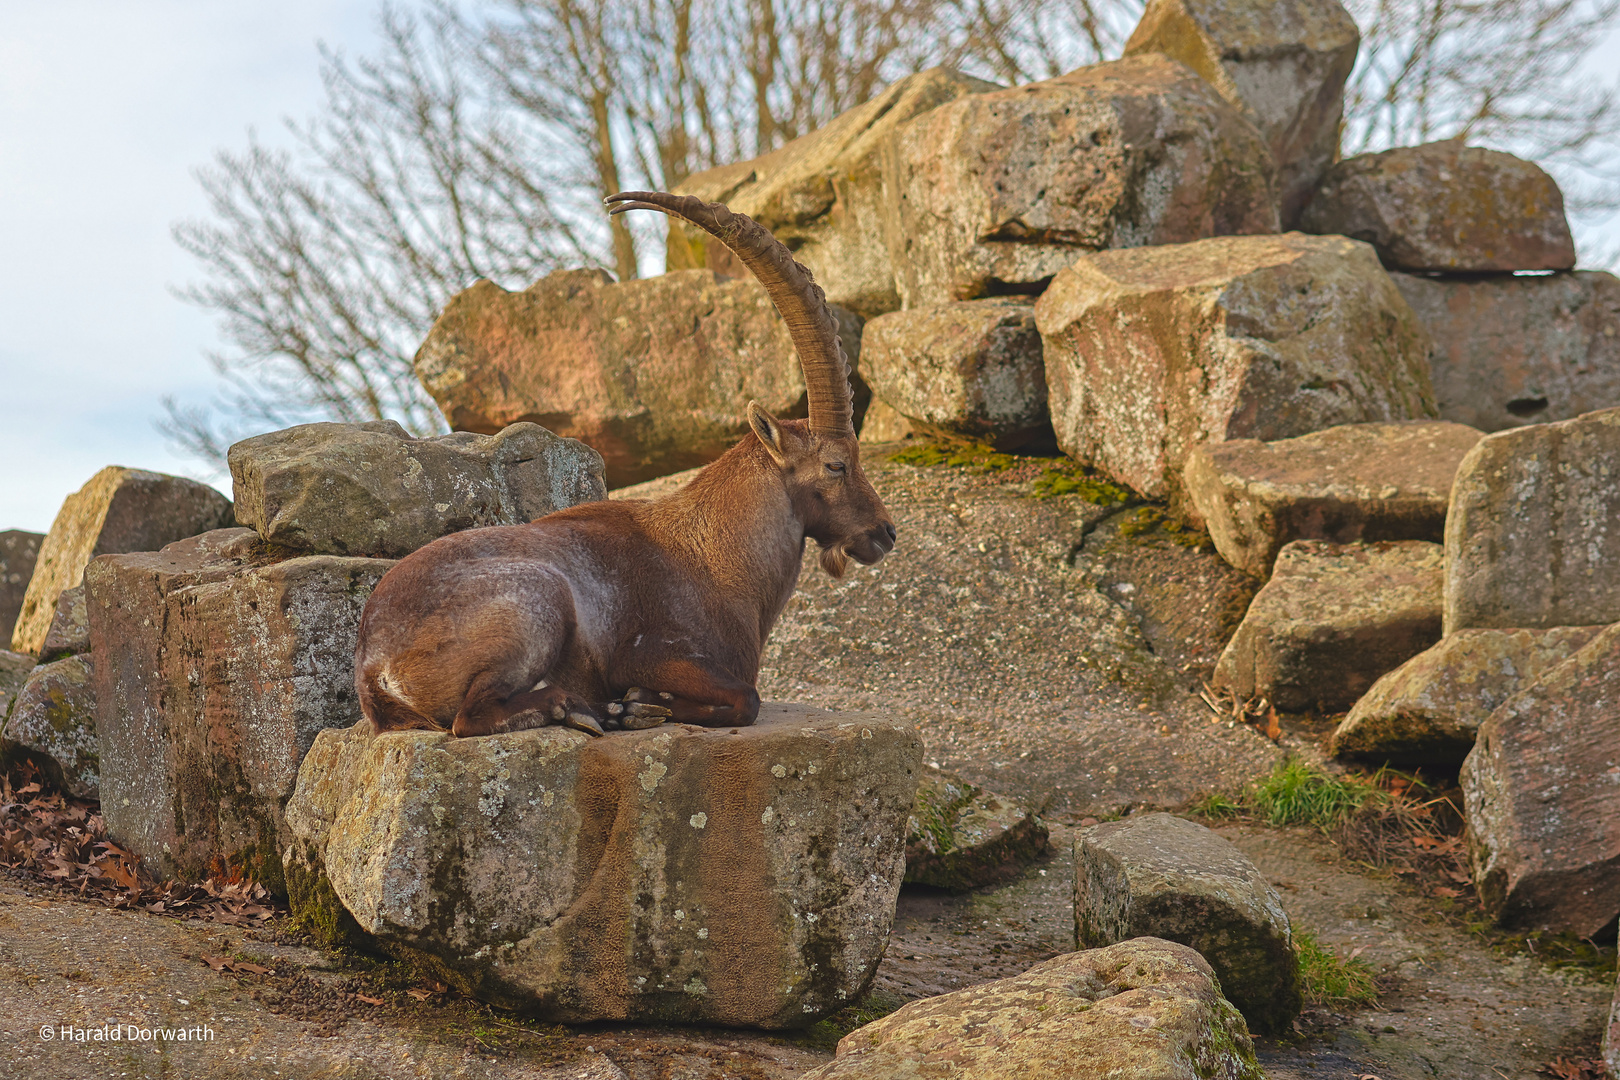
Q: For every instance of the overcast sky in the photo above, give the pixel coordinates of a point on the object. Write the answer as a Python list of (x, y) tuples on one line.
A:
[(106, 107)]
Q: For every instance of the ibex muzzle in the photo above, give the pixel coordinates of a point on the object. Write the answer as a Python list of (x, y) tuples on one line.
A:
[(631, 612)]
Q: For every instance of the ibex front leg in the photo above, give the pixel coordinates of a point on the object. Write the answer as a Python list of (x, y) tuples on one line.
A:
[(693, 694)]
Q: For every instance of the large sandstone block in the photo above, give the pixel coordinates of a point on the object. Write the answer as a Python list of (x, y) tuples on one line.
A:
[(215, 668), (1156, 875), (1140, 1010), (1512, 350), (1428, 710), (822, 195), (739, 877), (69, 634), (18, 551), (1332, 620), (1542, 801), (1150, 351), (118, 510), (373, 490), (1533, 533), (655, 374), (996, 192), (1282, 62), (1446, 207), (1347, 483), (14, 671), (971, 368), (961, 837), (54, 722)]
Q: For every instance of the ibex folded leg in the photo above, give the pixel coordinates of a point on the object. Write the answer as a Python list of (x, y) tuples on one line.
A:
[(694, 695)]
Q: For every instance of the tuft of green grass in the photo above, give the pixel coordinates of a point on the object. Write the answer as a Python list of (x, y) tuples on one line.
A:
[(1218, 806), (974, 457), (1150, 519), (1298, 793), (1328, 979)]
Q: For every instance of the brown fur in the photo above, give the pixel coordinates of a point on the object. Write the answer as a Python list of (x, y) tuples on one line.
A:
[(669, 601)]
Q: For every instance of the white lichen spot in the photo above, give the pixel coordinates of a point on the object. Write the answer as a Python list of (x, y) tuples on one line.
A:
[(654, 772), (493, 797), (703, 931), (441, 508), (679, 915), (768, 816), (694, 985), (811, 916), (811, 770), (641, 980), (548, 798), (866, 733), (699, 820), (778, 771)]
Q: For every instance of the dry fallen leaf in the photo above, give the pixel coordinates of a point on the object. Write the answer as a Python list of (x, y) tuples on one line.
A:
[(369, 1000)]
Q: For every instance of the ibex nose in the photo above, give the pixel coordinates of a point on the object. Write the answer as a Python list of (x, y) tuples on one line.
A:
[(893, 532)]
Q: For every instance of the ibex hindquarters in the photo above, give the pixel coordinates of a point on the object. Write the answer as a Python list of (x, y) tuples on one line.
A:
[(627, 613)]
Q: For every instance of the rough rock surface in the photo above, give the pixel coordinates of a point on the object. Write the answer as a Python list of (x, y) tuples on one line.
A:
[(1446, 207), (655, 374), (822, 195), (1347, 483), (962, 837), (1428, 710), (1283, 63), (1150, 351), (1513, 350), (1140, 1010), (215, 667), (1541, 797), (1533, 533), (54, 721), (1155, 875), (118, 510), (14, 671), (882, 424), (1332, 620), (18, 551), (997, 192), (741, 877), (971, 368), (373, 490), (69, 634)]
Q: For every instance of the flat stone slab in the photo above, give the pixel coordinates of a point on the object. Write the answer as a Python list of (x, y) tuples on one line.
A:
[(1151, 351), (372, 490), (1533, 533), (1156, 875), (1516, 349), (1448, 207), (740, 877), (54, 722), (1344, 484), (961, 837), (1332, 620), (1141, 1010), (1541, 794), (1428, 710)]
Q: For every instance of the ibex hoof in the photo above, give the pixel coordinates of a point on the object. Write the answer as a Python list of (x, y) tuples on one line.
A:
[(585, 722), (639, 717)]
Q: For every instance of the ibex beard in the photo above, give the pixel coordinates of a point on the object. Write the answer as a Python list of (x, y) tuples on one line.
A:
[(632, 612)]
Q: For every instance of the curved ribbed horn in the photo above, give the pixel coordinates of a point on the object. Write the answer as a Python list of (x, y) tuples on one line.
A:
[(792, 289)]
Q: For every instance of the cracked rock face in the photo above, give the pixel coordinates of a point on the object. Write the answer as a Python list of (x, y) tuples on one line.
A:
[(1332, 620), (677, 875), (1283, 63), (1347, 483), (1141, 1010), (1541, 792), (118, 510), (1511, 350), (1150, 351), (1428, 710), (1155, 875), (54, 719), (1533, 533), (996, 192), (371, 490), (1446, 207)]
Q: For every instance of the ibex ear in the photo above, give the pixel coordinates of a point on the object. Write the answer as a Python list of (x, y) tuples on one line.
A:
[(769, 431)]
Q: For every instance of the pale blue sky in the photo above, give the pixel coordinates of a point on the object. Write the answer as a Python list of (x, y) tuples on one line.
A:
[(106, 107)]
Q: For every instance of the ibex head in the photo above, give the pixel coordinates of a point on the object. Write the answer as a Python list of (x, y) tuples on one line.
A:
[(819, 458)]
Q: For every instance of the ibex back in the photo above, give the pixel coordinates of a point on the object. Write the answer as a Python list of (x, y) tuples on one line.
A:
[(631, 612)]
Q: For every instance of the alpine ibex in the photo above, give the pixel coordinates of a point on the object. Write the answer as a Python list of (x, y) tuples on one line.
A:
[(627, 613)]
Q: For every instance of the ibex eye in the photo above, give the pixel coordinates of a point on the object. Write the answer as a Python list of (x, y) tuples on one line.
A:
[(835, 466)]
